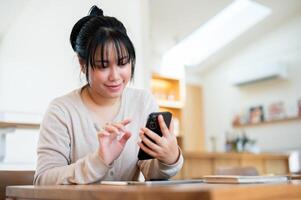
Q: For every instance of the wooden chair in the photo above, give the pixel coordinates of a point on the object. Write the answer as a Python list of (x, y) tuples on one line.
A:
[(11, 177), (239, 171)]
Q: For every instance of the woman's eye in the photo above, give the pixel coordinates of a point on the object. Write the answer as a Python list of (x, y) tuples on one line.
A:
[(101, 65), (123, 61)]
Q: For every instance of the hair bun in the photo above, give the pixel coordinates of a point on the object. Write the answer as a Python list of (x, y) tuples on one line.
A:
[(76, 29), (95, 11)]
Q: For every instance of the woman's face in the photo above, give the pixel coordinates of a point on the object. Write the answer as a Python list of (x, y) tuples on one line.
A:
[(110, 79)]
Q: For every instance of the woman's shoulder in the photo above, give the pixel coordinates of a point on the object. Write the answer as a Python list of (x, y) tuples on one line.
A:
[(140, 101), (66, 100), (137, 94)]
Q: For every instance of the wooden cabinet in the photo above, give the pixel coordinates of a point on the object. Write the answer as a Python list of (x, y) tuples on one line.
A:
[(185, 102), (197, 165), (170, 95)]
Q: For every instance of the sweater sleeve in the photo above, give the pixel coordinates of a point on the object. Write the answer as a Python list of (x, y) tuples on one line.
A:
[(153, 168), (54, 146)]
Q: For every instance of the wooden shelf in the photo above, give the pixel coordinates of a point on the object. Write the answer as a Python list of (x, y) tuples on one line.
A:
[(290, 119), (169, 92), (167, 78), (4, 124)]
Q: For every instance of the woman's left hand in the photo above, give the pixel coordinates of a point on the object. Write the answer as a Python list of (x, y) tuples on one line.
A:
[(163, 148)]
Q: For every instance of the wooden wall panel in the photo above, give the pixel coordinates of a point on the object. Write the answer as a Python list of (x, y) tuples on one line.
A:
[(196, 168), (276, 166), (193, 120), (257, 163), (200, 164)]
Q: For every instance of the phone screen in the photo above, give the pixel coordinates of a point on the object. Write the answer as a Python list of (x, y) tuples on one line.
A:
[(153, 124)]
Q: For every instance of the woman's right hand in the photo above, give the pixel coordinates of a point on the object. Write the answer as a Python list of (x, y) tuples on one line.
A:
[(112, 139)]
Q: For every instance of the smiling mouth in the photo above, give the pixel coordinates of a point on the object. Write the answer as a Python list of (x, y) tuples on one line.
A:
[(114, 86)]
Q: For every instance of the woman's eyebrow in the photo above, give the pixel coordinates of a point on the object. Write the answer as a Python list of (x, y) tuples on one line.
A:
[(101, 61), (123, 57)]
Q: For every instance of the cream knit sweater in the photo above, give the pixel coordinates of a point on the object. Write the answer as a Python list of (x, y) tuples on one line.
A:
[(67, 147)]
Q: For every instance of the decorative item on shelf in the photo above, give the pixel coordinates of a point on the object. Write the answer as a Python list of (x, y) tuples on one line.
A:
[(176, 123), (245, 118), (166, 88), (276, 111), (240, 142), (291, 109), (159, 94), (230, 142), (256, 114), (236, 121), (171, 96), (213, 143), (241, 119)]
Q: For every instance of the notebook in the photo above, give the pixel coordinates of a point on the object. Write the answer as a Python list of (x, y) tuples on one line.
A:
[(161, 182), (244, 179)]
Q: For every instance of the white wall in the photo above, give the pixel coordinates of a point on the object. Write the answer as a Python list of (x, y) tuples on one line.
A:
[(222, 100), (36, 59), (38, 64)]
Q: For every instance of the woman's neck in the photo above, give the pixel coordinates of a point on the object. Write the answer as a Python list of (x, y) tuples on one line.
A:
[(99, 100), (102, 109)]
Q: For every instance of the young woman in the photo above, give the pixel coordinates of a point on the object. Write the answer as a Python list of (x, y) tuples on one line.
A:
[(94, 133)]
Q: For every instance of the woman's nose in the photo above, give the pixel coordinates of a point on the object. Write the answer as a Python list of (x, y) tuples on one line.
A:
[(113, 73)]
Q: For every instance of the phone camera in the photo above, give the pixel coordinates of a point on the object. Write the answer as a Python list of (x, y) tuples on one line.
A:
[(152, 124)]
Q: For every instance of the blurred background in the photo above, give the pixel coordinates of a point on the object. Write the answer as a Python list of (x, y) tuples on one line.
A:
[(229, 70)]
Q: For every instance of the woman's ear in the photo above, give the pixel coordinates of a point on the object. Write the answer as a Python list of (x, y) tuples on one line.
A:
[(82, 64)]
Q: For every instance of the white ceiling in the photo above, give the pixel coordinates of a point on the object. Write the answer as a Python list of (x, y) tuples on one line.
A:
[(172, 20)]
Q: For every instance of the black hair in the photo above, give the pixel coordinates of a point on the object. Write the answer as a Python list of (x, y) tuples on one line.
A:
[(97, 30)]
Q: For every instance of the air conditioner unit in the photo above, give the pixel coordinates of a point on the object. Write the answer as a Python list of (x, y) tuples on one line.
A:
[(245, 76)]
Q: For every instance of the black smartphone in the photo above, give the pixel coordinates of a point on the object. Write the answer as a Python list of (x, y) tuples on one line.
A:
[(153, 124)]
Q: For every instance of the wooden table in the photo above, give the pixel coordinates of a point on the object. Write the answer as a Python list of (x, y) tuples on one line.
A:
[(290, 191)]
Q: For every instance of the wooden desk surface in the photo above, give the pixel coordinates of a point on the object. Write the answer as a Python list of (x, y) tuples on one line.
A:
[(234, 155), (291, 191)]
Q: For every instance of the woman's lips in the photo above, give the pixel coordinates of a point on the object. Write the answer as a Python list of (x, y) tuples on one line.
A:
[(114, 88)]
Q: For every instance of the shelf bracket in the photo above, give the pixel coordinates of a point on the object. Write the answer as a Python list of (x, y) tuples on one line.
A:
[(2, 146), (3, 132)]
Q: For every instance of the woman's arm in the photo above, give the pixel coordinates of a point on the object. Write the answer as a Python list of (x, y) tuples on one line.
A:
[(54, 148)]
